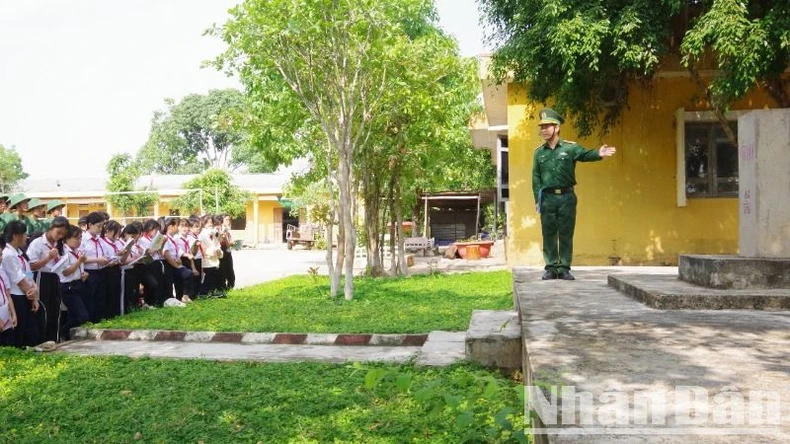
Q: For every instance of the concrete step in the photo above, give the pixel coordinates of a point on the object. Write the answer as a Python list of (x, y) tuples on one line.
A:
[(670, 293), (494, 339)]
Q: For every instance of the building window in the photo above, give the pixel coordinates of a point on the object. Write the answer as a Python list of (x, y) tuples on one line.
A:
[(238, 223), (175, 212), (711, 160), (503, 169), (707, 161)]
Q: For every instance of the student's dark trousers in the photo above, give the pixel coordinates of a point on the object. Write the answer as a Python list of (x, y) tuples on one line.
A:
[(95, 295), (76, 314), (28, 324)]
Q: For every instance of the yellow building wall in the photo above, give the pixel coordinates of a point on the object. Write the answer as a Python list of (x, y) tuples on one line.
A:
[(627, 205)]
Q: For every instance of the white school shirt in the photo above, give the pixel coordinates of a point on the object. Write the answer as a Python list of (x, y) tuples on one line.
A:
[(4, 297), (211, 248), (71, 257), (171, 246), (145, 243), (93, 247), (183, 244), (111, 247), (135, 252), (17, 268), (199, 252), (39, 249)]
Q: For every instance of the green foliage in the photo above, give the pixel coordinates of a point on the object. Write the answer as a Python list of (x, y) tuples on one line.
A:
[(199, 132), (481, 406), (161, 400), (218, 193), (751, 44), (584, 54), (124, 173), (415, 304), (11, 171), (312, 197)]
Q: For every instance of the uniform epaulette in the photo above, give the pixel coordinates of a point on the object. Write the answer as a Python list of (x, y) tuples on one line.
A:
[(569, 141), (539, 146)]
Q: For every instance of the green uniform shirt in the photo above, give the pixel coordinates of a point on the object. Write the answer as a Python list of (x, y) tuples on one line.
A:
[(556, 168)]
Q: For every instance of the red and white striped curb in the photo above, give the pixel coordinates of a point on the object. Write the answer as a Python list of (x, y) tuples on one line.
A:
[(249, 338)]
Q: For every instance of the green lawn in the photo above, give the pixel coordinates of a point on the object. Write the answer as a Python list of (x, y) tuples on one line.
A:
[(62, 398), (300, 304)]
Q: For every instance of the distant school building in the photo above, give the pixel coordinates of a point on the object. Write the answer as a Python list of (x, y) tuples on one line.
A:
[(671, 189), (264, 220)]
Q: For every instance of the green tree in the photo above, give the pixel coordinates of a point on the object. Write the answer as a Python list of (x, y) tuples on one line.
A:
[(199, 132), (586, 54), (331, 59), (420, 140), (11, 171), (219, 195), (124, 173)]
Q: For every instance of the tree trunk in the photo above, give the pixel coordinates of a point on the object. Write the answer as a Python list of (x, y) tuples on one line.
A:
[(372, 192), (346, 223), (403, 268), (778, 90), (334, 272), (717, 109)]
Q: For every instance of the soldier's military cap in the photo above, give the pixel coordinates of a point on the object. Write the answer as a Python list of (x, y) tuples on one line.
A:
[(54, 205), (548, 116), (16, 199), (35, 203)]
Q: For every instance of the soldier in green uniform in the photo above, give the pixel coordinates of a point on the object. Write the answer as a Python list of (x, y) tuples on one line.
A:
[(35, 218), (17, 207), (553, 179), (54, 207), (3, 207)]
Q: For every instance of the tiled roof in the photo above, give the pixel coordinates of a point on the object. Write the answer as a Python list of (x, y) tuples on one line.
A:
[(260, 183)]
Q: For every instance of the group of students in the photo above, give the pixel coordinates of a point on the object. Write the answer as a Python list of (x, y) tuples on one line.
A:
[(61, 276)]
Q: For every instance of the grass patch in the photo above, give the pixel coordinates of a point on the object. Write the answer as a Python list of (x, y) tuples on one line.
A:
[(62, 398), (300, 304)]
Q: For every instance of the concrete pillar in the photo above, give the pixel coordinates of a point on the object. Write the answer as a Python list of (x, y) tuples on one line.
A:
[(764, 183), (109, 209), (156, 210), (255, 220)]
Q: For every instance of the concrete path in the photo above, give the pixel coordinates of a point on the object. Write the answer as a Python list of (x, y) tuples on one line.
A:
[(276, 261), (587, 336), (441, 348)]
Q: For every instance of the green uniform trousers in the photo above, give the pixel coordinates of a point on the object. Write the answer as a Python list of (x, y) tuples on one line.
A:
[(558, 220)]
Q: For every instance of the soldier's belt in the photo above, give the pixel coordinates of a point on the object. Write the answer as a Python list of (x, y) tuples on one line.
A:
[(563, 190)]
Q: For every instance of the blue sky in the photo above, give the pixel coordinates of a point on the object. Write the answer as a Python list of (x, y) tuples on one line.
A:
[(80, 79)]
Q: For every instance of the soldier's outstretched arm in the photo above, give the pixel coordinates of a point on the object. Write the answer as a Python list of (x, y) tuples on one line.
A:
[(606, 151)]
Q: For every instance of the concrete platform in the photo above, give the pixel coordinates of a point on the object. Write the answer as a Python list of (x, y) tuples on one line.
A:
[(670, 293), (734, 272), (242, 352), (584, 335), (494, 339)]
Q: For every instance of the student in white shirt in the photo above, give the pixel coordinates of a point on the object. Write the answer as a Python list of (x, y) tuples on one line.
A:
[(98, 258), (212, 252), (153, 278), (227, 276), (44, 252), (8, 319), (197, 258), (112, 272), (23, 289), (72, 282), (183, 275), (130, 273)]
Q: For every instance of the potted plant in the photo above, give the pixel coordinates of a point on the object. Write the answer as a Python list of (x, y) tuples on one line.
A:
[(484, 245)]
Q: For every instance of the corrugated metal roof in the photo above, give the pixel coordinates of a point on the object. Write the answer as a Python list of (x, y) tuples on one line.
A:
[(84, 186)]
